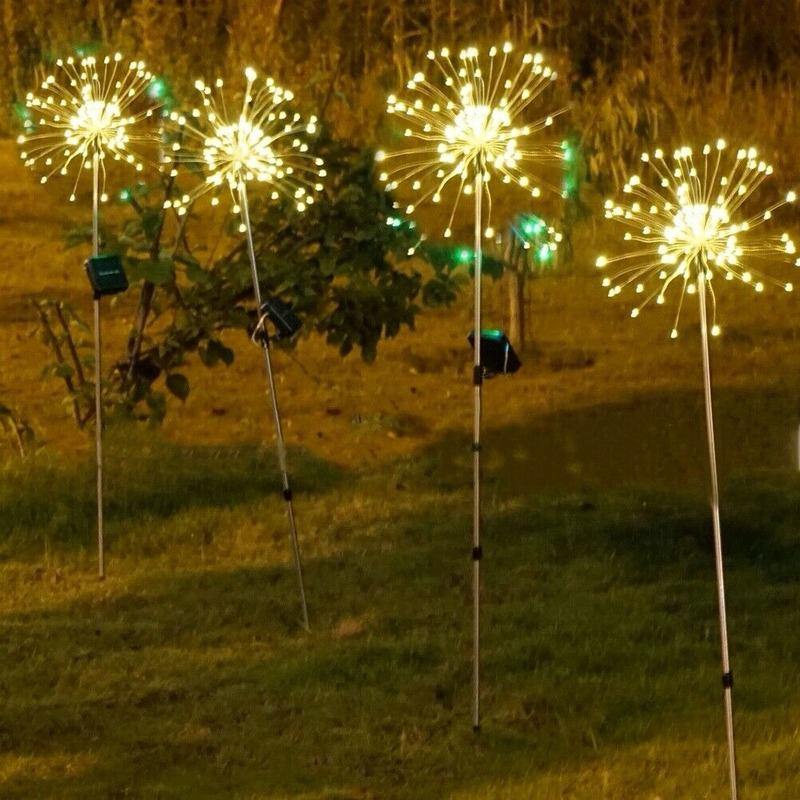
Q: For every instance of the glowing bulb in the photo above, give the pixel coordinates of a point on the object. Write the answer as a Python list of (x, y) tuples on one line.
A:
[(471, 120), (688, 225), (85, 109), (262, 142)]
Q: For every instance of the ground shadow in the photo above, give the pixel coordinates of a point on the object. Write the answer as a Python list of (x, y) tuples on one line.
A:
[(200, 683), (654, 440), (44, 498)]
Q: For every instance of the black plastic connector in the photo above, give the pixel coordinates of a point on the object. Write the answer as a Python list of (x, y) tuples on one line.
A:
[(727, 680)]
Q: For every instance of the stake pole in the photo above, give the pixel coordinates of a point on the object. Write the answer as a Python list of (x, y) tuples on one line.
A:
[(281, 447), (477, 381), (98, 388), (727, 675)]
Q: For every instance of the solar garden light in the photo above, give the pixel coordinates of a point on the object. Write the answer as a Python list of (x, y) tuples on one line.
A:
[(470, 123), (262, 142), (692, 234), (498, 357), (84, 112)]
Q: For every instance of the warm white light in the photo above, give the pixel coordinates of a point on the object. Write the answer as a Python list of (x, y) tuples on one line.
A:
[(471, 117), (88, 107), (263, 141), (689, 222)]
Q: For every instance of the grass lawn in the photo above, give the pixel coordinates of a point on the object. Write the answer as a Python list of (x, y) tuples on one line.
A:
[(186, 673)]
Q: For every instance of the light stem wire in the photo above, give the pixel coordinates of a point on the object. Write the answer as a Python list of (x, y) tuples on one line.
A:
[(281, 447), (98, 388), (712, 457), (476, 460)]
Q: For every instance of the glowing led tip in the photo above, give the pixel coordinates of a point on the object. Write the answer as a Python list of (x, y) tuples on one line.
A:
[(473, 116), (689, 226)]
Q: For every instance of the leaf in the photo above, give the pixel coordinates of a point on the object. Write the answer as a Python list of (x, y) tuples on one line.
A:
[(214, 352), (225, 354), (196, 274), (178, 384), (63, 370)]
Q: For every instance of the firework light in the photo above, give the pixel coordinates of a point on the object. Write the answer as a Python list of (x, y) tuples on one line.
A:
[(691, 229), (690, 225), (85, 109), (472, 119), (470, 124), (263, 141)]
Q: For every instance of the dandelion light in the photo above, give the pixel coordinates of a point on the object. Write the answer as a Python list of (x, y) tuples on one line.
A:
[(84, 112), (259, 141), (690, 222), (693, 224), (476, 120)]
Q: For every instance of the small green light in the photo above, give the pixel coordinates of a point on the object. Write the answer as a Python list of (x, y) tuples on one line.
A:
[(544, 253), (23, 113), (125, 195), (464, 255), (492, 333), (157, 89)]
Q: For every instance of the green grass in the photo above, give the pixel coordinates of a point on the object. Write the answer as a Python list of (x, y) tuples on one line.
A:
[(186, 674)]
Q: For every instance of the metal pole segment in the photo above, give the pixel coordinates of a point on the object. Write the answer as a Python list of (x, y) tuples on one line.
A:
[(477, 380), (287, 492), (727, 676), (98, 389)]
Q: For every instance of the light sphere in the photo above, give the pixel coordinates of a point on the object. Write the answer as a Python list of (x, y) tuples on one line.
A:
[(88, 107), (475, 116), (689, 220), (262, 140)]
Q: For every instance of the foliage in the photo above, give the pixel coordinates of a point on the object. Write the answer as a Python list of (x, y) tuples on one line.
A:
[(340, 262), (692, 60), (69, 341), (574, 209), (346, 272), (18, 430), (447, 258), (617, 117)]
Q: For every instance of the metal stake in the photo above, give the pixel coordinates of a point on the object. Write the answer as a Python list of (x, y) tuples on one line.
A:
[(727, 675), (287, 492), (98, 388), (477, 381)]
